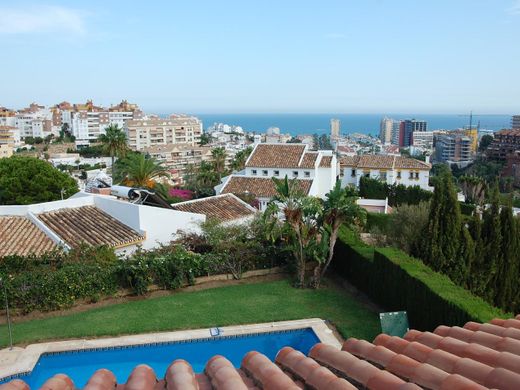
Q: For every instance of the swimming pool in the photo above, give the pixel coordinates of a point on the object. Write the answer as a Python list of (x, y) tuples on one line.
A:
[(80, 365)]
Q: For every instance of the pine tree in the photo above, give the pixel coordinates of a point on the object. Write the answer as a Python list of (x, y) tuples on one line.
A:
[(492, 238), (507, 268)]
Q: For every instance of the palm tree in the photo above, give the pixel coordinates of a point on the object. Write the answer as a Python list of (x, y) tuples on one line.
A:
[(219, 161), (114, 142), (339, 208), (239, 162), (137, 170)]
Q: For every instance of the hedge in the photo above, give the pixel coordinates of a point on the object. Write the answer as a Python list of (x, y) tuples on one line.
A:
[(379, 220), (58, 280), (396, 281)]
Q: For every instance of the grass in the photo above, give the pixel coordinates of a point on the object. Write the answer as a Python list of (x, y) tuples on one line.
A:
[(230, 305)]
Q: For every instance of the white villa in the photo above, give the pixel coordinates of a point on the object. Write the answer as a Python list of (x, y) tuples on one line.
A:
[(90, 219), (390, 169), (315, 171)]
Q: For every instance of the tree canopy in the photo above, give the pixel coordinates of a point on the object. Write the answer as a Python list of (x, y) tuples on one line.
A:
[(27, 180)]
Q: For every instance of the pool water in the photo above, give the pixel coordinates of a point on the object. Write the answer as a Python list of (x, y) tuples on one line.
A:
[(80, 365)]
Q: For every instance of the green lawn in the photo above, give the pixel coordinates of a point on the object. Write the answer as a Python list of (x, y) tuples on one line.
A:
[(238, 304)]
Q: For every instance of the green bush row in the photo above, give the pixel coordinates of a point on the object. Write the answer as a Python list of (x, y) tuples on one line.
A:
[(58, 280), (396, 281)]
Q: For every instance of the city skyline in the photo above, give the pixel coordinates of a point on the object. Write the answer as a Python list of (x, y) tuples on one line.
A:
[(293, 57)]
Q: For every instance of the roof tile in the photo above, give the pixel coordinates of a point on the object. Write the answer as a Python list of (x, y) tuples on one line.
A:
[(19, 236), (259, 187), (276, 156), (89, 225), (221, 208), (455, 365)]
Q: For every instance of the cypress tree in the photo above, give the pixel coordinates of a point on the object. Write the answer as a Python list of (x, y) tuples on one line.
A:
[(506, 277), (492, 238), (430, 248), (475, 282), (440, 248), (461, 271), (450, 227)]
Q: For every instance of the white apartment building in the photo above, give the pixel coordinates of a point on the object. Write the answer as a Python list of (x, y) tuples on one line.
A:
[(423, 139), (389, 169), (385, 130), (148, 132), (88, 121), (33, 121), (177, 157), (9, 135), (314, 171)]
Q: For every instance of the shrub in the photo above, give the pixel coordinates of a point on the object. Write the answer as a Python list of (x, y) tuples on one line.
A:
[(397, 281)]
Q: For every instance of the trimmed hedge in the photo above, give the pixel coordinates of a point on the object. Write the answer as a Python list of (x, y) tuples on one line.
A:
[(396, 281), (379, 220)]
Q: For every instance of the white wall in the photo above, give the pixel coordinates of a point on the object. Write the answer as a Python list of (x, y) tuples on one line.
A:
[(159, 225), (391, 177)]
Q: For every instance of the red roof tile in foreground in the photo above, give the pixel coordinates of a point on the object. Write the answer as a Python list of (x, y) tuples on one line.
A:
[(452, 358)]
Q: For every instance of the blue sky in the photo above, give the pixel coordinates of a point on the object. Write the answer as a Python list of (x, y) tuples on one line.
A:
[(359, 56)]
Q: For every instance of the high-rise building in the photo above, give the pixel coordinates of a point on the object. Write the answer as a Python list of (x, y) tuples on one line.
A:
[(407, 128), (335, 128), (515, 122), (423, 139), (144, 133), (385, 130), (505, 143), (454, 147)]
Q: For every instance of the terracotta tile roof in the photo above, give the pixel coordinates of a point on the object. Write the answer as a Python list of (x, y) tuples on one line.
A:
[(260, 187), (276, 156), (326, 162), (377, 161), (222, 207), (410, 163), (89, 225), (309, 160), (19, 236), (477, 356)]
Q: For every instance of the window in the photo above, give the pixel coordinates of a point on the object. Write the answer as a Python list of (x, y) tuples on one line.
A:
[(398, 174), (353, 173), (416, 175), (411, 175), (253, 172), (265, 172), (277, 173), (382, 176), (307, 174), (295, 173)]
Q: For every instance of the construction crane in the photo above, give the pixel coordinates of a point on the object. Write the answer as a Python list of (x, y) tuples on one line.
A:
[(471, 115)]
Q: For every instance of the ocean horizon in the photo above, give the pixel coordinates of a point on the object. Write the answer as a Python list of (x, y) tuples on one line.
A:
[(296, 124)]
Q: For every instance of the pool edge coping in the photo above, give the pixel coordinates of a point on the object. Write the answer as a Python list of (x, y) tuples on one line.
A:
[(26, 358)]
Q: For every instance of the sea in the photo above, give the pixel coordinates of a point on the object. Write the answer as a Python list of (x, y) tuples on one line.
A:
[(296, 124)]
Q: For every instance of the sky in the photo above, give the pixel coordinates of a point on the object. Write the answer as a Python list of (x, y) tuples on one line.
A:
[(245, 56)]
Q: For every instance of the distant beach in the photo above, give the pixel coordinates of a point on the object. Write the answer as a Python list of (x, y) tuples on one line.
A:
[(350, 123)]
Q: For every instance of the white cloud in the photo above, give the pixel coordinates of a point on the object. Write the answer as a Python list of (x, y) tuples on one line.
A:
[(41, 19), (515, 8)]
